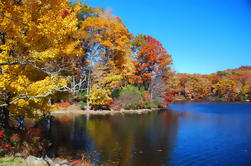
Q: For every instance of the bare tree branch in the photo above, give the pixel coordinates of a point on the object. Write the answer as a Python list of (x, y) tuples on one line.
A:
[(14, 19), (24, 96), (11, 63), (76, 87)]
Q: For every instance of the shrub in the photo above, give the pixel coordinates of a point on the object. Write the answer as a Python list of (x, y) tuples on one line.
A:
[(159, 99), (168, 98), (64, 104), (82, 104), (127, 100), (5, 147), (83, 94), (100, 97), (131, 97), (150, 105), (27, 142), (115, 93), (180, 97)]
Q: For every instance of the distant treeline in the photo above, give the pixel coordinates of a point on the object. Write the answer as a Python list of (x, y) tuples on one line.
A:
[(229, 85)]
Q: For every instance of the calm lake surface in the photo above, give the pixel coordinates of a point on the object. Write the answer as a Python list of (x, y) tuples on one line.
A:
[(185, 134)]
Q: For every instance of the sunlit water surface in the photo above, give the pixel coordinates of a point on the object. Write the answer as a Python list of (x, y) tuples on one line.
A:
[(185, 134)]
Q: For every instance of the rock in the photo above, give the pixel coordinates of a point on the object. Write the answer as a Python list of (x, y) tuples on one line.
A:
[(60, 162), (32, 160), (68, 164), (48, 160), (63, 161), (56, 161), (19, 155)]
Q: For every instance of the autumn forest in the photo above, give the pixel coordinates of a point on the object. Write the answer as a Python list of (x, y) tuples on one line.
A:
[(52, 49)]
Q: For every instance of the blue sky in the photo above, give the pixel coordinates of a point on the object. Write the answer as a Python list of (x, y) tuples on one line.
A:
[(203, 36)]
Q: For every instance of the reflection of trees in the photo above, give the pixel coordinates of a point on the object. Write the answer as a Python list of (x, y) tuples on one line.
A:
[(157, 139), (135, 139), (69, 135), (148, 139), (111, 140), (144, 139)]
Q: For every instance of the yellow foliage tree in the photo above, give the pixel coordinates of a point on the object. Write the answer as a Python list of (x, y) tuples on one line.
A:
[(99, 97), (109, 56), (197, 87), (245, 90), (36, 45), (226, 87)]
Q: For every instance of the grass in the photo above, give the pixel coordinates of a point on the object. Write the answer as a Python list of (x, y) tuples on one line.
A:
[(10, 161)]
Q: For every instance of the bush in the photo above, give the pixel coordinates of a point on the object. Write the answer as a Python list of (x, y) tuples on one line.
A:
[(168, 98), (131, 97), (180, 97), (100, 98), (159, 99), (82, 104), (131, 90), (27, 142), (83, 94), (115, 93), (126, 100), (150, 105)]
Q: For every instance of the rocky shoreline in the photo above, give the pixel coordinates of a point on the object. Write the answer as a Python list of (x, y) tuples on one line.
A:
[(45, 161)]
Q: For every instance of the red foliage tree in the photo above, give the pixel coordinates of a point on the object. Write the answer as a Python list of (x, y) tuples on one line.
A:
[(168, 98), (151, 59)]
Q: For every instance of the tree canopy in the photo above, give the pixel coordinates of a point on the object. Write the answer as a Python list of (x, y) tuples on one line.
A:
[(50, 48)]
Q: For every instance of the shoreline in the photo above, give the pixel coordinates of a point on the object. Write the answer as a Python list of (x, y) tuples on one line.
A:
[(207, 101), (103, 112), (78, 111)]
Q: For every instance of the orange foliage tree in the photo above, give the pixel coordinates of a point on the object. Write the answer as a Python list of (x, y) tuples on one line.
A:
[(151, 59)]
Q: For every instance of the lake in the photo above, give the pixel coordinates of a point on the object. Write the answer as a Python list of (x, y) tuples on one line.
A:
[(185, 134)]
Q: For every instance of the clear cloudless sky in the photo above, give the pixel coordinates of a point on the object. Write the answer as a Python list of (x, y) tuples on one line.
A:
[(203, 36)]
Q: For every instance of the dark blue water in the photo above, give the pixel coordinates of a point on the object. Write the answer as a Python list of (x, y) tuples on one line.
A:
[(213, 134), (185, 134)]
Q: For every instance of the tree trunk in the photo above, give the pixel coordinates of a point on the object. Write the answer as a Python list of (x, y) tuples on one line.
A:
[(88, 89), (4, 117), (89, 83)]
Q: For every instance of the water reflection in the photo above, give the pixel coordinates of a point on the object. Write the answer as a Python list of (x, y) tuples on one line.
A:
[(118, 140), (187, 134)]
